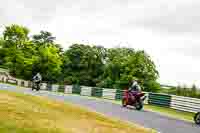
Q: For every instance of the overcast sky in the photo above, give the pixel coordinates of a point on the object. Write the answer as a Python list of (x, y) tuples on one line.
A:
[(169, 30)]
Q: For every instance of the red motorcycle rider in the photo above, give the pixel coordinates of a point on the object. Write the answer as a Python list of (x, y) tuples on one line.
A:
[(133, 96), (134, 89)]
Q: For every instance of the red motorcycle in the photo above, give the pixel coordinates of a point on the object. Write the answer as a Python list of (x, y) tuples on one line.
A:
[(133, 99)]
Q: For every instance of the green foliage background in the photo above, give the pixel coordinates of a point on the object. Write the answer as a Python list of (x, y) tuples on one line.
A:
[(88, 65)]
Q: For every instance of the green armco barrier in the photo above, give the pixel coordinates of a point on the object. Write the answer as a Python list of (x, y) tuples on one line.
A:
[(119, 94), (49, 86), (159, 99), (97, 92), (61, 88), (76, 89), (22, 83)]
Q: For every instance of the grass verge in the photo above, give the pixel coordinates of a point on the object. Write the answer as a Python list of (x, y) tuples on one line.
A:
[(21, 113), (181, 115), (186, 116)]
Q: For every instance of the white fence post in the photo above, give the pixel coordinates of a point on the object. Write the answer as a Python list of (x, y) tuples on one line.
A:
[(25, 83), (19, 82), (43, 86), (68, 89), (55, 88), (109, 93), (147, 98), (86, 91), (4, 79)]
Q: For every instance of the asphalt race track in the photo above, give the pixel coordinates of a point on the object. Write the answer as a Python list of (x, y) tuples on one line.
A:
[(147, 119)]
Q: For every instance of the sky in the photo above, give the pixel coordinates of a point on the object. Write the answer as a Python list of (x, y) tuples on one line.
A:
[(168, 30)]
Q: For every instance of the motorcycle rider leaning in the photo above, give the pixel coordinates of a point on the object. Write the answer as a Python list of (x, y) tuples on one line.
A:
[(134, 88)]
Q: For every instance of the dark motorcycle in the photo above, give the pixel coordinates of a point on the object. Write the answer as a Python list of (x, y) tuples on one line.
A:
[(36, 82), (133, 99), (35, 86), (197, 118)]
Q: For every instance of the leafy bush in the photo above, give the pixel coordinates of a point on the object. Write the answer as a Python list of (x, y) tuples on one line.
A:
[(79, 64)]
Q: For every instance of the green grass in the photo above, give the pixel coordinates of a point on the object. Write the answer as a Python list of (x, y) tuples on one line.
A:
[(187, 116), (157, 109), (21, 113)]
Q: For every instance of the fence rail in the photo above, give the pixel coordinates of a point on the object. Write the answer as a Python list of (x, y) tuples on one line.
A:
[(171, 101), (86, 91), (185, 103), (109, 94), (159, 99)]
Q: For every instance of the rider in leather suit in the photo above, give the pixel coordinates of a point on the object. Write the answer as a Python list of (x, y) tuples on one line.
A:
[(37, 79), (134, 88)]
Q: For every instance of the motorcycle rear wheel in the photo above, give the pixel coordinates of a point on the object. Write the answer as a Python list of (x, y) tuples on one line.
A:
[(124, 104), (35, 87), (197, 118)]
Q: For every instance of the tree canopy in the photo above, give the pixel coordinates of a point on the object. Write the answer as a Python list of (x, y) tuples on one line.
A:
[(88, 65)]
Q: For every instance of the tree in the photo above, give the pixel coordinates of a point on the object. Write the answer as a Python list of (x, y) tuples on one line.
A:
[(125, 64), (48, 63), (25, 57), (14, 44), (44, 38), (2, 51), (15, 36), (193, 90), (83, 64), (1, 42), (151, 86), (49, 56), (114, 73)]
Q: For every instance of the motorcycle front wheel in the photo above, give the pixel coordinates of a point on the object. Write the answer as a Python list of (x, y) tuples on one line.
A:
[(138, 105), (33, 87), (197, 118)]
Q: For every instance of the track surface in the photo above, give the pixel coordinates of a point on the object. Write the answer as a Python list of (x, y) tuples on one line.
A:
[(147, 119)]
